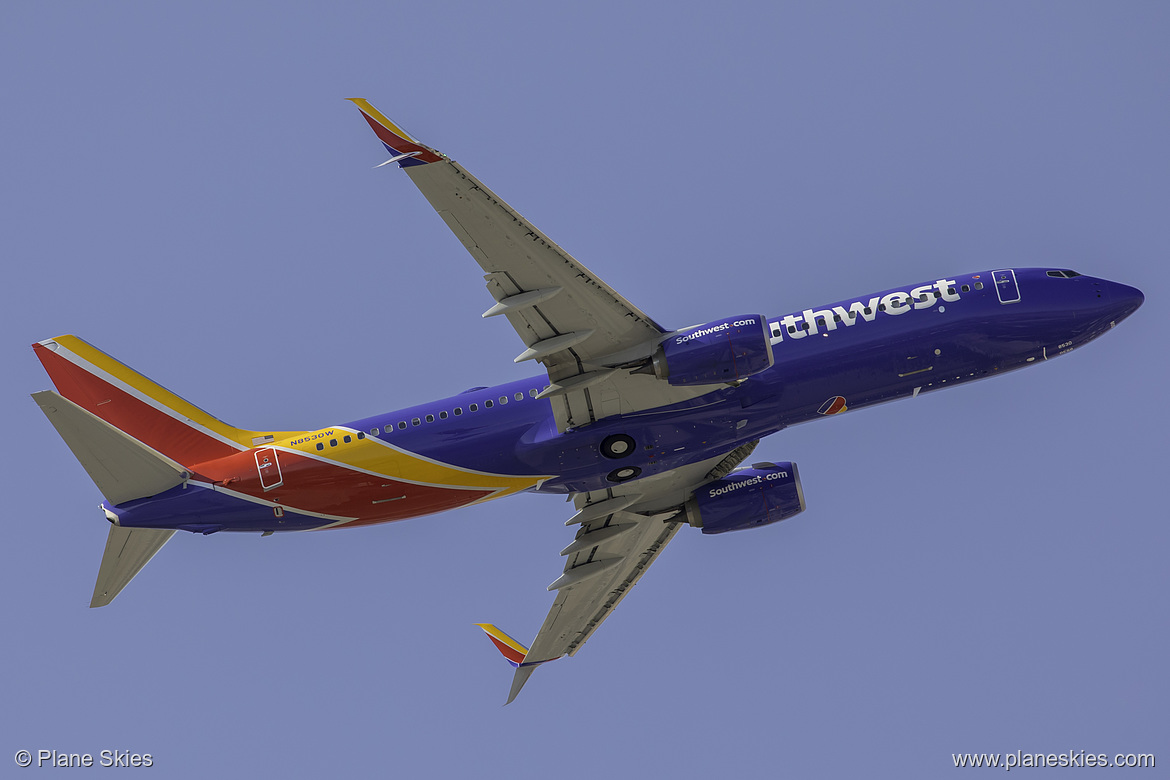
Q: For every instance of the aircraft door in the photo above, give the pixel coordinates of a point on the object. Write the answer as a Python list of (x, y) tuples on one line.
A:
[(268, 465), (1006, 287)]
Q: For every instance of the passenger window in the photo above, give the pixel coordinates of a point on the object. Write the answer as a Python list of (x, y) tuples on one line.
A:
[(534, 392), (361, 435), (881, 307), (937, 294), (950, 291), (966, 288), (320, 446), (868, 310), (402, 426), (503, 399), (442, 415), (836, 318), (333, 442), (416, 421), (978, 285), (792, 329), (775, 332), (806, 326), (347, 438), (519, 396), (458, 410), (374, 431), (487, 404), (473, 408), (430, 418)]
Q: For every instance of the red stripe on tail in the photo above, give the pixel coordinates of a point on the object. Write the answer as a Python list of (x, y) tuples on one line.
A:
[(156, 429)]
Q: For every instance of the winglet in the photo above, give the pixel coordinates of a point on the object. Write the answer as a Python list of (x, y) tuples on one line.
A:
[(404, 149), (515, 653)]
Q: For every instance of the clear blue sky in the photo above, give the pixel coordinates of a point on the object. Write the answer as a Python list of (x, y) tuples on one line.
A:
[(979, 570)]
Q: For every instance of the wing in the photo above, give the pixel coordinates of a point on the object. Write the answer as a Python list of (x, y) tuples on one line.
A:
[(567, 317), (623, 530)]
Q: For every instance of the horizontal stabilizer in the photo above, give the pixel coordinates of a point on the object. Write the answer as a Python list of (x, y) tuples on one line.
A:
[(127, 551), (122, 467)]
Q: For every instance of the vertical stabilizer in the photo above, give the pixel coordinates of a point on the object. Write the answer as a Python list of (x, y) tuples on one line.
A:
[(140, 407)]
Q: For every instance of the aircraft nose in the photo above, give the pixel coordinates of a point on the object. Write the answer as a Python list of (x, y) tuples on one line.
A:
[(1125, 299)]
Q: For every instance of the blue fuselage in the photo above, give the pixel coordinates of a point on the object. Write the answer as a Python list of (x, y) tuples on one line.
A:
[(861, 352)]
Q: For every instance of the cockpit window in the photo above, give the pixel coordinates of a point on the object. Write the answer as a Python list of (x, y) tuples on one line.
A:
[(1064, 274)]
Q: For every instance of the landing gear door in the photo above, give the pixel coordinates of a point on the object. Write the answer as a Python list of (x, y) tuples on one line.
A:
[(269, 467), (1006, 287)]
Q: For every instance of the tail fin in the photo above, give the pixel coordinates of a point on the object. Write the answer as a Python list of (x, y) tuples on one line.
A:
[(134, 438), (140, 408), (515, 653)]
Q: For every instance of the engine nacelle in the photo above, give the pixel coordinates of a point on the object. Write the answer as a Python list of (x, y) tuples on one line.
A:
[(765, 493), (721, 351)]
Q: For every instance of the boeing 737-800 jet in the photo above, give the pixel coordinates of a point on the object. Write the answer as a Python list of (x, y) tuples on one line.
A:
[(642, 426)]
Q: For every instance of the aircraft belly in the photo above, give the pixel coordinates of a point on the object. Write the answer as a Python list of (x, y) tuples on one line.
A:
[(660, 444), (201, 508), (233, 494)]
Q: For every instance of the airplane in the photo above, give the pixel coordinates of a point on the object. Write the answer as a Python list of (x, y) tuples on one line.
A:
[(645, 428)]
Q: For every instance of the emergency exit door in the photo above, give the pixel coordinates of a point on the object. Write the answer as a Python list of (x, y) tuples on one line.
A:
[(268, 466), (1006, 287)]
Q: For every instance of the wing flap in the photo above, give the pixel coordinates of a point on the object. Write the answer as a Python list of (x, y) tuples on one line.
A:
[(582, 606)]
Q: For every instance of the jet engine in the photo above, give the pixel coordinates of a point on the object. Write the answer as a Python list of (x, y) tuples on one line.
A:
[(725, 350), (765, 493)]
